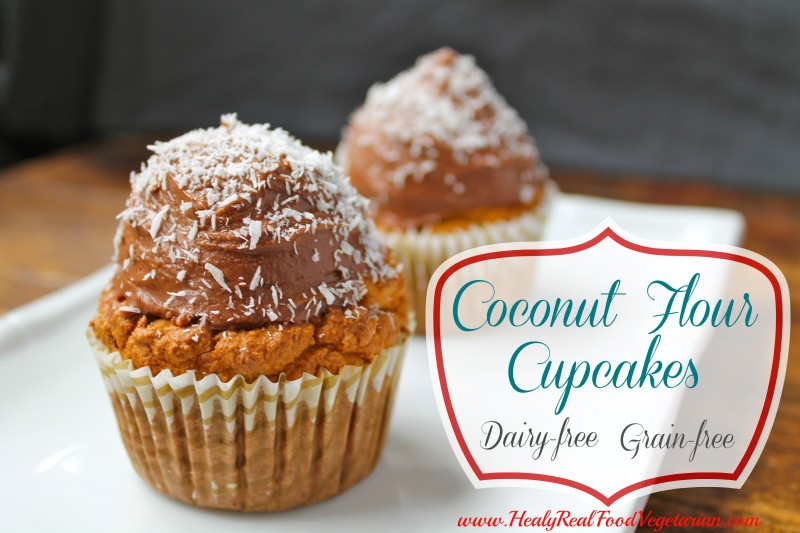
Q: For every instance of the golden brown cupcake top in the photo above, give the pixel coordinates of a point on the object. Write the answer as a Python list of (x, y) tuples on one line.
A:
[(437, 142), (242, 226), (336, 338)]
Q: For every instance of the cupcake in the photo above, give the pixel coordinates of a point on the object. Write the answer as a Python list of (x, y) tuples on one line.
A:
[(252, 335), (447, 164)]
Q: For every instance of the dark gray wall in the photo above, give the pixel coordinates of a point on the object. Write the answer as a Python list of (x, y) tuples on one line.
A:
[(701, 88)]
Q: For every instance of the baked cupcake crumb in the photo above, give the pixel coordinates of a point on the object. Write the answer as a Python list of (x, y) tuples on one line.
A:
[(339, 337)]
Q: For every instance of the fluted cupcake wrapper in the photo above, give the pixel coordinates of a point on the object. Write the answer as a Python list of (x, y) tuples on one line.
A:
[(422, 251), (260, 446)]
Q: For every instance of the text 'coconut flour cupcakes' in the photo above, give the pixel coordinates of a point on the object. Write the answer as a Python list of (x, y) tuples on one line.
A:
[(447, 164), (252, 335)]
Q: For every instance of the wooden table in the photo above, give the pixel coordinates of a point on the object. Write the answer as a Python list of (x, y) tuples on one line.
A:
[(57, 222)]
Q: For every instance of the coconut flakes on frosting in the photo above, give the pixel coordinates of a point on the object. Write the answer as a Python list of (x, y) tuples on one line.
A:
[(255, 187), (445, 101)]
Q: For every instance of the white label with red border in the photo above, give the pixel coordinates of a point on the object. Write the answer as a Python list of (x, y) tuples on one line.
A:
[(609, 365)]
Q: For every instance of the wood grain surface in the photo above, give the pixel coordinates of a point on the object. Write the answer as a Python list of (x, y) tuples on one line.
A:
[(57, 223)]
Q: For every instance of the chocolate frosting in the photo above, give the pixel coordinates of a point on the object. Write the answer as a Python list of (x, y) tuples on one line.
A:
[(437, 142), (242, 226)]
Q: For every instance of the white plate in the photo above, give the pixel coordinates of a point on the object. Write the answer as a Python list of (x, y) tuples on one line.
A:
[(573, 215), (63, 467)]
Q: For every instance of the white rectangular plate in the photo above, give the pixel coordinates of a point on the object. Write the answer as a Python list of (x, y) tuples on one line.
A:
[(63, 467)]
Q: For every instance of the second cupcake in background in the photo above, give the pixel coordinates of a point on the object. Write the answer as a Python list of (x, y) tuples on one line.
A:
[(447, 163)]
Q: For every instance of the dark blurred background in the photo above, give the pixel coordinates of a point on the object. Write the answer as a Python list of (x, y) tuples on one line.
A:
[(707, 89)]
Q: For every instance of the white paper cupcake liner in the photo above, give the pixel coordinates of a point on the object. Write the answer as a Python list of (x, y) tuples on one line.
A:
[(260, 446), (422, 251)]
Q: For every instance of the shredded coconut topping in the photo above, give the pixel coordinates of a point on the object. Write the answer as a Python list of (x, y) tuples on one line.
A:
[(156, 225), (242, 193), (219, 277), (444, 101)]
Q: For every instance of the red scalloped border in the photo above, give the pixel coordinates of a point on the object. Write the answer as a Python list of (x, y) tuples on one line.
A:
[(609, 233)]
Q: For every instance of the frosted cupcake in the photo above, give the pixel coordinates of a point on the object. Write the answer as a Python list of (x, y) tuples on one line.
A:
[(447, 164), (252, 334)]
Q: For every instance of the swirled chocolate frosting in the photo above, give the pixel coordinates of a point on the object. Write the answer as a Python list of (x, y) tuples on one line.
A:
[(438, 141), (242, 226)]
